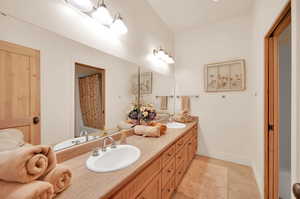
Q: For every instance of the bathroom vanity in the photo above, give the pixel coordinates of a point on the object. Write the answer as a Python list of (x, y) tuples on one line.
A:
[(157, 173)]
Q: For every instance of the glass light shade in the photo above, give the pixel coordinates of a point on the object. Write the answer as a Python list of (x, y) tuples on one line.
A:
[(102, 15), (170, 60), (82, 5), (118, 26), (161, 54)]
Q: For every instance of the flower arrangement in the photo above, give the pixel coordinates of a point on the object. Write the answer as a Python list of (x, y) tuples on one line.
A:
[(144, 113)]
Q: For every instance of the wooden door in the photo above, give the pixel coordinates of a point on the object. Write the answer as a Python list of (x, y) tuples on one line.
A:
[(153, 190), (272, 104), (20, 90)]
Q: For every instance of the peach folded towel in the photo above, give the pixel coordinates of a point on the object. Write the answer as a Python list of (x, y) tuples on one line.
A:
[(60, 177), (26, 164), (147, 131), (185, 103), (163, 128), (33, 190)]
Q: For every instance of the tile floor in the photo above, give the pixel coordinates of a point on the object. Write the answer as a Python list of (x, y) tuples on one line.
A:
[(241, 183)]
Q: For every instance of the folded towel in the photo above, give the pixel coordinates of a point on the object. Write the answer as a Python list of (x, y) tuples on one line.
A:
[(184, 117), (163, 128), (164, 102), (11, 139), (185, 103), (147, 131), (26, 164), (59, 177), (33, 190)]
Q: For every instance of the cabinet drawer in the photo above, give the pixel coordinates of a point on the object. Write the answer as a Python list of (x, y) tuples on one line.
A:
[(168, 154), (134, 188), (181, 156), (179, 144), (168, 190), (179, 174), (168, 172)]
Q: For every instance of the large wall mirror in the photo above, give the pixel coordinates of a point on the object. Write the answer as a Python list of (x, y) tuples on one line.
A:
[(87, 95)]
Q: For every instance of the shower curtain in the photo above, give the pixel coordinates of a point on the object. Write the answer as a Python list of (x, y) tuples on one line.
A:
[(91, 100)]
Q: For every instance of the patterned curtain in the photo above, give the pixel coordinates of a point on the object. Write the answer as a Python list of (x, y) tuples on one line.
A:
[(90, 100)]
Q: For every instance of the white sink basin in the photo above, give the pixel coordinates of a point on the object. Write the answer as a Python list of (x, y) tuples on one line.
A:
[(113, 159), (175, 125)]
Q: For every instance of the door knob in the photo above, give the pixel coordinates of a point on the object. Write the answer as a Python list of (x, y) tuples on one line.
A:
[(36, 120), (296, 190)]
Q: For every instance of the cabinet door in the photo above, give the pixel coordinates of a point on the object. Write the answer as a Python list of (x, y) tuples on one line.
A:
[(190, 151), (153, 190)]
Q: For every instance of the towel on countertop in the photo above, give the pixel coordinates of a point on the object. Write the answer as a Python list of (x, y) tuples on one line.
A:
[(164, 102), (33, 190), (147, 131), (59, 177), (11, 139), (26, 164), (185, 103), (124, 125), (162, 127)]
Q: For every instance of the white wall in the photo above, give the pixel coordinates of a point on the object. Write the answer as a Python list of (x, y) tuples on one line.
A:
[(146, 30), (227, 125), (58, 57)]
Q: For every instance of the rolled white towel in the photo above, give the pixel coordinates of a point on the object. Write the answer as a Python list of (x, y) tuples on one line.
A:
[(11, 139), (124, 125)]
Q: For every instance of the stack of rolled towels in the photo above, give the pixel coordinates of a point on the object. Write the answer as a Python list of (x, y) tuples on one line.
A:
[(32, 172)]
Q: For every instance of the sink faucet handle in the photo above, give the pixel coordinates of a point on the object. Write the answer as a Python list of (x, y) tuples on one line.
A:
[(95, 152)]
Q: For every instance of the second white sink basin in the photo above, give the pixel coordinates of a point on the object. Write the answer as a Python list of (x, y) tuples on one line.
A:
[(175, 125), (114, 159)]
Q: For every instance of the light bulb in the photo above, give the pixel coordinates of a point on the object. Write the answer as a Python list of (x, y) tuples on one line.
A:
[(82, 5), (102, 15), (118, 26), (160, 54)]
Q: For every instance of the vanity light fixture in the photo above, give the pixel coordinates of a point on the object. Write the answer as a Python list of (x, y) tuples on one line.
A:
[(82, 5), (118, 25), (102, 14), (162, 55)]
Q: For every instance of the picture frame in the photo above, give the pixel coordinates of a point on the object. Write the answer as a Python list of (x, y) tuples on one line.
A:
[(225, 76), (146, 79)]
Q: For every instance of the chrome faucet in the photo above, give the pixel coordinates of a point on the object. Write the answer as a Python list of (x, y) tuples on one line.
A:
[(84, 133), (113, 143)]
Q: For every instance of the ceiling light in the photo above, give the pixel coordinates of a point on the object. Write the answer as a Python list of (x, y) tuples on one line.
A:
[(102, 14), (162, 55), (118, 25), (82, 5)]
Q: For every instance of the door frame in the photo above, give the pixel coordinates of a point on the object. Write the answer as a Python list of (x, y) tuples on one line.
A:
[(103, 80), (271, 117)]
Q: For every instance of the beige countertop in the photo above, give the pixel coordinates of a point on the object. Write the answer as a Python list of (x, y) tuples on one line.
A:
[(90, 185)]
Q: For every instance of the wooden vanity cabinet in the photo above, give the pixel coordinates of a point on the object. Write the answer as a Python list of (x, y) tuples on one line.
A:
[(162, 176), (153, 189)]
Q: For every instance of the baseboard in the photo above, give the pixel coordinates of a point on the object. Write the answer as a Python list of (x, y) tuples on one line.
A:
[(228, 157)]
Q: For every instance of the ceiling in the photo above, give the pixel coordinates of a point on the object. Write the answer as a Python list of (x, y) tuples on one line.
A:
[(187, 14)]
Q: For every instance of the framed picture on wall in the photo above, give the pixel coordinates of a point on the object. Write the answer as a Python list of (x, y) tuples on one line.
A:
[(225, 76), (146, 83)]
